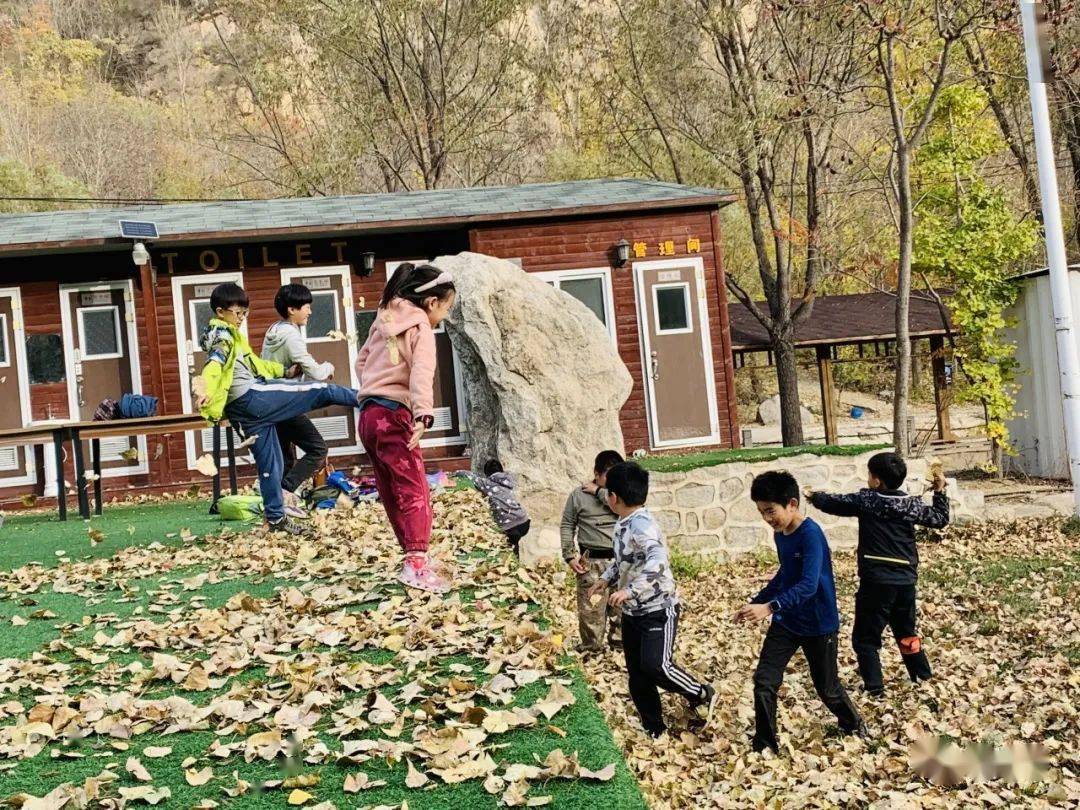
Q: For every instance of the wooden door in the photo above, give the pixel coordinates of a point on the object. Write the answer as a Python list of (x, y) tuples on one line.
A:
[(331, 337), (16, 463), (191, 313), (677, 362), (102, 360)]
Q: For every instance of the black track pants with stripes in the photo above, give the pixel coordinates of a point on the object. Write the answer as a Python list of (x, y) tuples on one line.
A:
[(648, 642)]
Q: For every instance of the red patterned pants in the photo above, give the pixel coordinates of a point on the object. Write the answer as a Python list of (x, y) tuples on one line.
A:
[(399, 473)]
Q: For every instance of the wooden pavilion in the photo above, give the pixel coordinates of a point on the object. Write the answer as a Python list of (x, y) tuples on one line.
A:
[(866, 321)]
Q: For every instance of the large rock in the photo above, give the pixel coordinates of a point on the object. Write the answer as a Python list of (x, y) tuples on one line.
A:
[(769, 412), (543, 384)]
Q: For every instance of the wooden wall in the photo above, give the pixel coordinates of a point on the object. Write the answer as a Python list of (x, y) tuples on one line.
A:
[(588, 243), (545, 245)]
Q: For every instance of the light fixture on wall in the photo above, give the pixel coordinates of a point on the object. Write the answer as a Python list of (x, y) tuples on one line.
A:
[(139, 254), (367, 263), (622, 252)]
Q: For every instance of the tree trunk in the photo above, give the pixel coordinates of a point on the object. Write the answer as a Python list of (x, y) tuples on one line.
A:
[(901, 390), (1069, 112), (787, 377)]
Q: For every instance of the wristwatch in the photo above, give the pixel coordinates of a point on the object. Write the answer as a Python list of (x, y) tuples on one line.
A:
[(774, 606), (427, 420)]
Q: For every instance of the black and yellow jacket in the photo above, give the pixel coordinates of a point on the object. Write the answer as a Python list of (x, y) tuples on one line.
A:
[(887, 520)]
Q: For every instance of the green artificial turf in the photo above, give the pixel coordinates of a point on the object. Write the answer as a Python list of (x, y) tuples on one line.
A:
[(37, 538), (685, 462)]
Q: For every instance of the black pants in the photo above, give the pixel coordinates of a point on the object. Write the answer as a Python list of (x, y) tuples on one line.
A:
[(878, 605), (648, 642), (515, 534), (301, 432), (820, 652)]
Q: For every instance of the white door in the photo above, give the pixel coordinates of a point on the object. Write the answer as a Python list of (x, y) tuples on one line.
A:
[(16, 463), (677, 362), (191, 313), (102, 361), (331, 337)]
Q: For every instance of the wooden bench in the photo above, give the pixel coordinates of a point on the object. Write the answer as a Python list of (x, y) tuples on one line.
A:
[(78, 432)]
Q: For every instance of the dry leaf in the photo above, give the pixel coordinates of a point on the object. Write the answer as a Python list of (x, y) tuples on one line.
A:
[(198, 778), (298, 797), (146, 793), (206, 466), (156, 751), (414, 778), (136, 769)]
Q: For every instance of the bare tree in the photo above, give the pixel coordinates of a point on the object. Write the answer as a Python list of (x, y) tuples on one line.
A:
[(418, 93), (782, 72), (911, 46)]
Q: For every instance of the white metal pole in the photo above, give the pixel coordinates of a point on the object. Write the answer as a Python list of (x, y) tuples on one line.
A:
[(1060, 292)]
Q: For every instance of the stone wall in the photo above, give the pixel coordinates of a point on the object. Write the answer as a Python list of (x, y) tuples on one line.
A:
[(709, 510)]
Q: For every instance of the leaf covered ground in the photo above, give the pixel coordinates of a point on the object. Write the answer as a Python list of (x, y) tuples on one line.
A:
[(1000, 618), (149, 661)]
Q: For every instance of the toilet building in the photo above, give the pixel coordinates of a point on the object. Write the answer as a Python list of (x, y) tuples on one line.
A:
[(80, 322)]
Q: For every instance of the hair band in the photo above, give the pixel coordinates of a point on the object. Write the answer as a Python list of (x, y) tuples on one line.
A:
[(442, 278)]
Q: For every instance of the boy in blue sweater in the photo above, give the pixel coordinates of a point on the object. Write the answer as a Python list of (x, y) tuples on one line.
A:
[(801, 599)]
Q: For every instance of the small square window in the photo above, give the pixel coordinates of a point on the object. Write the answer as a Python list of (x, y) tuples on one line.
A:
[(5, 355), (672, 308), (99, 332), (324, 315), (200, 318), (45, 359), (364, 319), (590, 292)]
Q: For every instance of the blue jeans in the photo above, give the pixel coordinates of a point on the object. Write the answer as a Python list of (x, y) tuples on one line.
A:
[(261, 408)]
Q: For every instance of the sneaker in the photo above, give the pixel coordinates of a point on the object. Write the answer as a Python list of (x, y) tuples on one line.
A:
[(293, 506), (286, 526), (424, 578), (656, 734), (703, 709)]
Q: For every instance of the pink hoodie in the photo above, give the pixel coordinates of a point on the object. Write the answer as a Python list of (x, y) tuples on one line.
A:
[(398, 359)]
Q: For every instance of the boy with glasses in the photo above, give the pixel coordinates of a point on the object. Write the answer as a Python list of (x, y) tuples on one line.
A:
[(238, 384)]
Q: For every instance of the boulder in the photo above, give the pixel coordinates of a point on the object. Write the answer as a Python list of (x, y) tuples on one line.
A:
[(769, 412), (543, 384)]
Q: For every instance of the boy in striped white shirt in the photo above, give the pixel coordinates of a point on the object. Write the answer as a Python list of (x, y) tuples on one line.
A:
[(644, 588)]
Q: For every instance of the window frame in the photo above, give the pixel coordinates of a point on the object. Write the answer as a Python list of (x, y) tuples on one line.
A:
[(583, 274), (337, 317), (6, 362), (672, 285), (80, 325)]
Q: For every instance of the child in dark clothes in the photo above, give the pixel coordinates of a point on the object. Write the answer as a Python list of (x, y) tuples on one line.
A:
[(801, 600), (498, 487), (888, 563)]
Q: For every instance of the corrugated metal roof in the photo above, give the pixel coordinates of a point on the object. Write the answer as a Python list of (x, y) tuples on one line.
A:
[(841, 319), (59, 229)]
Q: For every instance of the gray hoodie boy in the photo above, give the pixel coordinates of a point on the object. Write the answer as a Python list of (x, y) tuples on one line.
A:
[(284, 343)]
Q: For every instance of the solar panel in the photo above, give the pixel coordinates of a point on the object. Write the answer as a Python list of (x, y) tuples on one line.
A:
[(133, 229)]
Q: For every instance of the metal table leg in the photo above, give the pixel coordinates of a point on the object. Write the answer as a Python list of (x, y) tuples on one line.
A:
[(95, 456), (80, 475), (230, 452), (61, 491), (217, 467)]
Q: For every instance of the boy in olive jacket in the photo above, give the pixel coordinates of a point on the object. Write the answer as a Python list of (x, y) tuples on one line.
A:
[(238, 384), (588, 525)]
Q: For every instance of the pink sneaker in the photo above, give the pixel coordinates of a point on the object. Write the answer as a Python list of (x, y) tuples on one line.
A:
[(424, 578)]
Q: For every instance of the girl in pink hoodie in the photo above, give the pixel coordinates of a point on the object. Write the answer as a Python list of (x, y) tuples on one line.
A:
[(396, 367)]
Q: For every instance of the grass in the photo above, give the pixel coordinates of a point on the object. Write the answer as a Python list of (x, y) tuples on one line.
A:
[(38, 538), (712, 458)]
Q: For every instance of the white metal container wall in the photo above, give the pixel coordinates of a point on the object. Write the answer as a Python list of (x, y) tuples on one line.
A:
[(1038, 432)]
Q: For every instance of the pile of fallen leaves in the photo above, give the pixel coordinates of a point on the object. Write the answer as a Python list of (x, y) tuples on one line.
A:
[(422, 682), (999, 609)]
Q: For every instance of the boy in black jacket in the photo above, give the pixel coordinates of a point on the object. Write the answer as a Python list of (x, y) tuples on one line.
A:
[(888, 562)]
